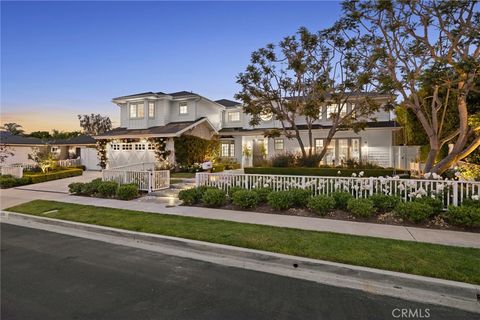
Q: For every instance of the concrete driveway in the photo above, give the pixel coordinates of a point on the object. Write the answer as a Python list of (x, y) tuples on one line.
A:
[(61, 185)]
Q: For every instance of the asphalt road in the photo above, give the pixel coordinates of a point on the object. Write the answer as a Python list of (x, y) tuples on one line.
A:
[(46, 275)]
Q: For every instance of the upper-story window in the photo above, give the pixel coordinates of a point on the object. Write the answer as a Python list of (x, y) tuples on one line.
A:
[(234, 116), (334, 108), (183, 107), (151, 109), (136, 110), (278, 144)]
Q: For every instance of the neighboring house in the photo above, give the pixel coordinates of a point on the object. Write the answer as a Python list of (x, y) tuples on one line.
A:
[(82, 148), (20, 146), (167, 115)]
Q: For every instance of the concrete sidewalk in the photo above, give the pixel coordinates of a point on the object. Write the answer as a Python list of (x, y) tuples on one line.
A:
[(11, 197)]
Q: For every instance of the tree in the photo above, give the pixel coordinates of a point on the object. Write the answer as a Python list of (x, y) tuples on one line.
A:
[(44, 158), (44, 135), (14, 128), (95, 124), (417, 37), (62, 135), (5, 152), (296, 80)]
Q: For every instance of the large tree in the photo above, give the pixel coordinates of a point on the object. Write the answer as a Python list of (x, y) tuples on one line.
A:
[(440, 36), (61, 135), (44, 135), (295, 80), (14, 128), (94, 124)]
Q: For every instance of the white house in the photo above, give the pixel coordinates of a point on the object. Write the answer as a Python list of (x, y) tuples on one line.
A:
[(164, 116)]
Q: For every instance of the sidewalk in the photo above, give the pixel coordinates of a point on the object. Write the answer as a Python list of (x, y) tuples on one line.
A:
[(11, 197)]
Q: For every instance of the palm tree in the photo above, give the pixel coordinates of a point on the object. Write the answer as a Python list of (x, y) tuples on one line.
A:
[(14, 128)]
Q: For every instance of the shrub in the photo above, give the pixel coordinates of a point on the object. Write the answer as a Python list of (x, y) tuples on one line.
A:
[(434, 203), (91, 188), (414, 211), (384, 202), (24, 180), (310, 161), (54, 175), (263, 194), (245, 198), (300, 197), (361, 207), (218, 168), (190, 196), (127, 192), (344, 172), (8, 181), (75, 187), (280, 200), (467, 216), (283, 160), (471, 203), (213, 197), (321, 204), (341, 199), (107, 189), (233, 190)]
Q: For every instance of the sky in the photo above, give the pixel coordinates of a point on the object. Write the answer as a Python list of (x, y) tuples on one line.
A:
[(61, 59)]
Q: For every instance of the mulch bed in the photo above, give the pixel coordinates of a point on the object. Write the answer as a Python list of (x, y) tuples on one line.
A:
[(379, 218)]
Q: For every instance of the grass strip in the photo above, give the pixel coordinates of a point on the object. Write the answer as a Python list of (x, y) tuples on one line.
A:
[(446, 262)]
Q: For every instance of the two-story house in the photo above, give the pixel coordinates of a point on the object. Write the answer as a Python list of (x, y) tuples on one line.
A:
[(168, 115)]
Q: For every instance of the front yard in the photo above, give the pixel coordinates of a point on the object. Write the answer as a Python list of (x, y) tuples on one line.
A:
[(30, 177), (452, 263)]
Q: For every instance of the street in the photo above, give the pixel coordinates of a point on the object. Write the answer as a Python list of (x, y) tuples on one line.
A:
[(52, 276)]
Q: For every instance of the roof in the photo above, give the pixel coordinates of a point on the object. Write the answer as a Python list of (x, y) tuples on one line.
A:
[(7, 138), (79, 140), (228, 103), (373, 124), (182, 93), (171, 129)]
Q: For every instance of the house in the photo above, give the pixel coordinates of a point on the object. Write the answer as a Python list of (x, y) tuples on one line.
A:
[(163, 116), (18, 148)]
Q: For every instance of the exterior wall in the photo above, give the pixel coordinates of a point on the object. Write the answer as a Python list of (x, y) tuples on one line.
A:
[(202, 130), (175, 115), (117, 158), (210, 111), (20, 155), (233, 124), (89, 158)]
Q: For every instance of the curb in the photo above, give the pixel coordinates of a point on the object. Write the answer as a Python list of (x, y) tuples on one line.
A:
[(422, 289)]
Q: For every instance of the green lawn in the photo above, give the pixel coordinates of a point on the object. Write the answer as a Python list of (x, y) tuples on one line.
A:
[(174, 181), (182, 175), (454, 263)]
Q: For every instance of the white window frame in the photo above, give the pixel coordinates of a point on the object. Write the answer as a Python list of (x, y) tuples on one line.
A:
[(151, 109), (139, 107), (54, 149), (229, 151), (181, 106), (139, 146), (231, 114), (126, 147), (276, 142), (330, 107), (115, 147), (319, 146)]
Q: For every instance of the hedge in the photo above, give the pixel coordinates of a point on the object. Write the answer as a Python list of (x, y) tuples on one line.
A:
[(54, 175), (344, 172)]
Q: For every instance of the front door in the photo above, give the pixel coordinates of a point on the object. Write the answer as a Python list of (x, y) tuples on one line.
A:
[(258, 153)]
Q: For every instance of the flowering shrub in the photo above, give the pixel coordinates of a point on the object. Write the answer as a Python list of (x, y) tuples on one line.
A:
[(384, 203), (434, 203), (413, 211)]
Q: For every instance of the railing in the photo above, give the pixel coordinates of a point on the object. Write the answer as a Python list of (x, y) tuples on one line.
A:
[(143, 166), (69, 162), (145, 180), (16, 171), (449, 191)]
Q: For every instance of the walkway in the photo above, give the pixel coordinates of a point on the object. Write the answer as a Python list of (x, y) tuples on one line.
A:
[(57, 190)]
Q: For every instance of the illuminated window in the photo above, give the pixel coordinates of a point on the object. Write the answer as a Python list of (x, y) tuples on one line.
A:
[(151, 109), (234, 116), (228, 149), (136, 110), (318, 145), (333, 108), (183, 108), (278, 144)]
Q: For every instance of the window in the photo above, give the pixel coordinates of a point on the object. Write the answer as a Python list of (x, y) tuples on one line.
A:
[(136, 110), (150, 146), (115, 147), (151, 109), (318, 145), (234, 116), (183, 108), (331, 109), (355, 154), (54, 150), (139, 146), (343, 150), (228, 149), (127, 146), (278, 144)]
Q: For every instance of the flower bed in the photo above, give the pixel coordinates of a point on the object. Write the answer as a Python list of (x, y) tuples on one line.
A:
[(326, 172), (384, 209), (104, 189)]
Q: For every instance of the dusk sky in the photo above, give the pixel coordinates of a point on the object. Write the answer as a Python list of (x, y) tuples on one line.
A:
[(60, 59)]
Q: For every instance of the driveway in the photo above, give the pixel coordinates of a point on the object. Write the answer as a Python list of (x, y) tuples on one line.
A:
[(61, 185)]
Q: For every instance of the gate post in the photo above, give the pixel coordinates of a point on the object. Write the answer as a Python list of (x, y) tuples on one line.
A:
[(455, 193), (150, 176)]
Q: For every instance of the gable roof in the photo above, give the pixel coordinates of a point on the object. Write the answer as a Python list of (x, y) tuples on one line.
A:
[(228, 103), (182, 93), (78, 140)]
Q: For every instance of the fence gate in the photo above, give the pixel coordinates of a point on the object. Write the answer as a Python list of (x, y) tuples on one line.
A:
[(145, 180)]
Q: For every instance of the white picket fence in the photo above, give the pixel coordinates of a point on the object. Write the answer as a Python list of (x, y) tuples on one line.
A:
[(451, 192), (13, 170), (142, 166), (69, 162), (145, 180)]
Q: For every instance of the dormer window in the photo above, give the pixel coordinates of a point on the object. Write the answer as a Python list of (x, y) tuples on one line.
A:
[(234, 116), (183, 108), (136, 110), (151, 109)]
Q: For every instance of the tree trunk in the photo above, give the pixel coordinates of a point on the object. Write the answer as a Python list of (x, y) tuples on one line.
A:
[(300, 143), (310, 140), (453, 158)]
